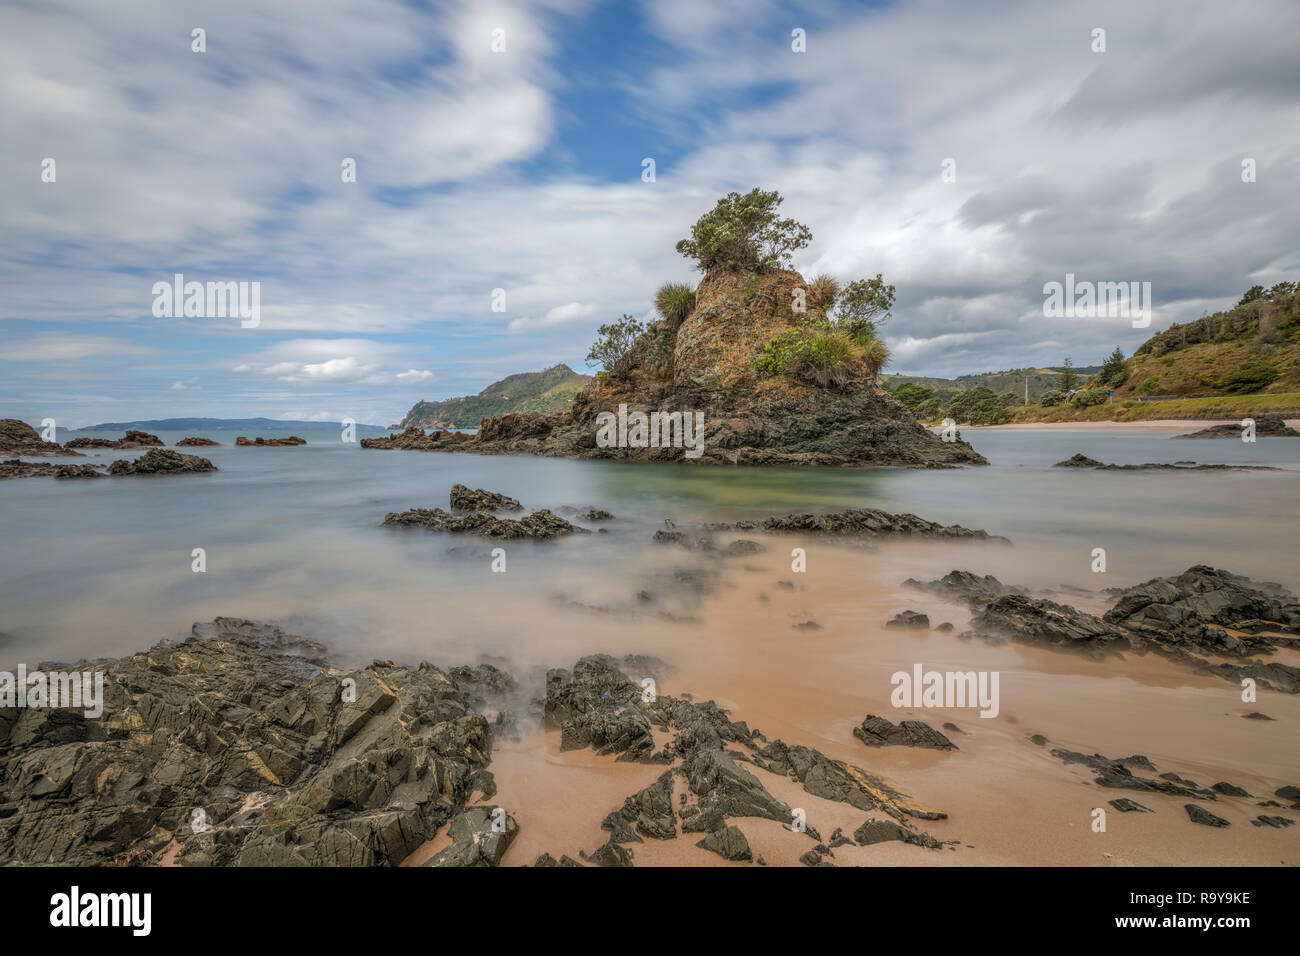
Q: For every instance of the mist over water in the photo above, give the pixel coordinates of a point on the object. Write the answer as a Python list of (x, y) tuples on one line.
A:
[(103, 567)]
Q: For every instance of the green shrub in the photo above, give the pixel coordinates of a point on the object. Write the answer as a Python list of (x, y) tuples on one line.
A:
[(1051, 397), (675, 301), (744, 234), (1150, 385), (1090, 396), (614, 344), (823, 291), (978, 406), (1250, 377)]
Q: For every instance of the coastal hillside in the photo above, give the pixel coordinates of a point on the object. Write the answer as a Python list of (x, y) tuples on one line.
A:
[(1041, 381), (544, 392), (781, 369), (1239, 362)]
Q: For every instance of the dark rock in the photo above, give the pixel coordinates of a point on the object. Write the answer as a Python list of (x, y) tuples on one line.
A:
[(1229, 790), (878, 732), (160, 461), (464, 499), (1204, 817), (1039, 621), (198, 442), (540, 524), (966, 587), (19, 438), (480, 837), (909, 620), (17, 468), (260, 442), (1125, 805), (729, 843), (1256, 715), (1266, 426), (884, 831), (1276, 822), (860, 523)]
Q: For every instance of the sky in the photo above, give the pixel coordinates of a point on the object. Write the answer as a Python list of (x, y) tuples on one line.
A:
[(519, 170)]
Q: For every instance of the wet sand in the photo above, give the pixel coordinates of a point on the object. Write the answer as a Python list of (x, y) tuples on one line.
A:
[(1009, 801)]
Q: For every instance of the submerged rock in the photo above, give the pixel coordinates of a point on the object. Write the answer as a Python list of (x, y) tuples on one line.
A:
[(909, 621), (856, 523), (966, 587), (540, 524), (414, 438), (465, 499), (1083, 461), (1039, 621), (198, 442), (259, 441), (132, 439), (17, 468)]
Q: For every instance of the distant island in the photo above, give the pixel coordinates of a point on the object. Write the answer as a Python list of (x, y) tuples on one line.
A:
[(216, 424), (544, 392)]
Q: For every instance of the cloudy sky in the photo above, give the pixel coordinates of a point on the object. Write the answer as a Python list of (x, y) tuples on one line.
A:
[(521, 170)]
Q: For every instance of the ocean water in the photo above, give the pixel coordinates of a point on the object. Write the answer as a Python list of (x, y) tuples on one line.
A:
[(103, 567)]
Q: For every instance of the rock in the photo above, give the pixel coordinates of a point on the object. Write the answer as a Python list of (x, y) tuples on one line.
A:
[(464, 499), (729, 843), (1276, 822), (743, 547), (1266, 426), (611, 854), (878, 732), (1039, 621), (1256, 715), (480, 836), (17, 468), (1289, 793), (1038, 740), (1115, 774), (909, 621), (1125, 805), (1204, 817), (945, 628), (547, 860), (414, 438), (246, 723), (1082, 461), (540, 524), (857, 523), (965, 587), (160, 461), (132, 439), (1181, 610), (884, 831), (1229, 790), (260, 442), (198, 442), (19, 438)]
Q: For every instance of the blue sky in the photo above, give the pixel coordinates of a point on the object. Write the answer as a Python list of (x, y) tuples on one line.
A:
[(521, 170)]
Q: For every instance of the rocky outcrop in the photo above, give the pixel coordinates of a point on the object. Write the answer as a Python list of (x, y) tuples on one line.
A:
[(909, 621), (241, 746), (966, 587), (198, 443), (1266, 426), (414, 438), (160, 461), (706, 365), (132, 439), (19, 438), (856, 523), (260, 442), (1040, 621)]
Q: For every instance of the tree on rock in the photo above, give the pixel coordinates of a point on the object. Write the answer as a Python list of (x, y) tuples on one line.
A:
[(745, 234)]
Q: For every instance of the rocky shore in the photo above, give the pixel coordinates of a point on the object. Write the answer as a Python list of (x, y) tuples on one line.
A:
[(260, 442), (1266, 426)]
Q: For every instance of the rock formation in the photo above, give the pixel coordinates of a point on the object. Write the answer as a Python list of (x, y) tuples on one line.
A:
[(19, 438)]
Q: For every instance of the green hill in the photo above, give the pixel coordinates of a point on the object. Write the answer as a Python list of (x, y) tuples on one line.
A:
[(547, 391), (1013, 380)]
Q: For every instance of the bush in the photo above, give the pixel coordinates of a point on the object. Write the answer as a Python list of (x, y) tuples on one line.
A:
[(1090, 396), (824, 290), (675, 301), (1053, 396), (1250, 377), (614, 344), (1150, 385), (1113, 372), (864, 305), (978, 406), (744, 234)]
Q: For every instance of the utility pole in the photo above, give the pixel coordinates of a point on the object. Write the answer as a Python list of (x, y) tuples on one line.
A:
[(1026, 388)]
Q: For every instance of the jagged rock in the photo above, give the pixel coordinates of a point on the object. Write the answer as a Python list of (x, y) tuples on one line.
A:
[(1204, 817), (1125, 805), (1114, 773), (480, 836), (160, 461), (464, 499), (1181, 610), (547, 860), (1266, 426), (909, 621), (729, 843), (198, 442), (1078, 460), (878, 732), (884, 831), (539, 524), (19, 438), (1229, 790), (290, 762), (649, 812), (259, 441), (1040, 621), (1256, 715), (1082, 461), (1276, 823), (611, 854), (967, 587)]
